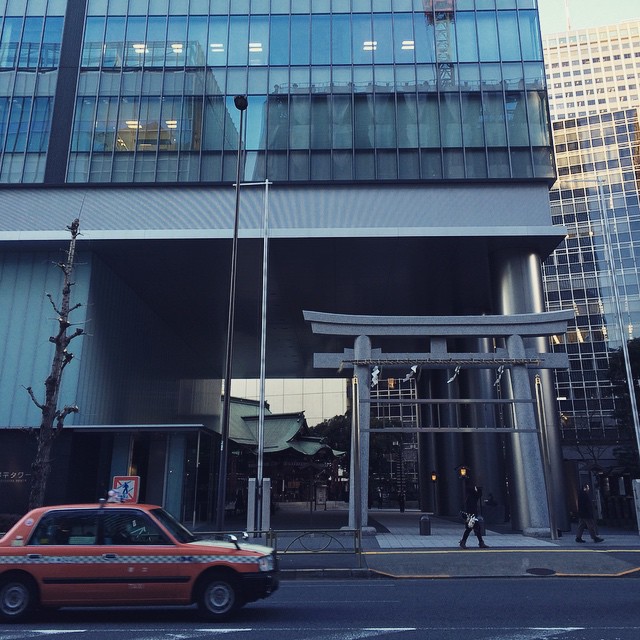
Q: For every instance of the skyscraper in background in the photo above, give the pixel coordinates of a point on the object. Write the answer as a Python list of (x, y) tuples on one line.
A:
[(591, 71), (593, 76)]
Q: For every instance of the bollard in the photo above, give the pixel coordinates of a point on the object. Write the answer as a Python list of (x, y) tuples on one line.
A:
[(425, 525)]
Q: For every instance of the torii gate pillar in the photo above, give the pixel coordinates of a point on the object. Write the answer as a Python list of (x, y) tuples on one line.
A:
[(362, 352)]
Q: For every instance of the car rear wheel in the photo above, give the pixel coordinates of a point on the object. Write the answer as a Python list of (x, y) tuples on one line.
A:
[(219, 597), (17, 599)]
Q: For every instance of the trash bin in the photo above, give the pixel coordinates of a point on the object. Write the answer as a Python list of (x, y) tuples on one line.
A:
[(425, 525)]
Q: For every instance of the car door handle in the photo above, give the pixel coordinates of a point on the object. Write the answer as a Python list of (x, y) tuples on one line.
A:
[(34, 556), (109, 556)]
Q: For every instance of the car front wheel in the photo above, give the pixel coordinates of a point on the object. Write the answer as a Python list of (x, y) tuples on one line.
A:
[(219, 597), (17, 599)]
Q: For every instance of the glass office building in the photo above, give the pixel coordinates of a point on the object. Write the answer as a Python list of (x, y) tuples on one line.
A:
[(344, 91), (578, 275), (593, 77), (405, 144)]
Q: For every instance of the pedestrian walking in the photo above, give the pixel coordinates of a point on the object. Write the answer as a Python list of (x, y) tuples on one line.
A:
[(586, 518), (472, 522)]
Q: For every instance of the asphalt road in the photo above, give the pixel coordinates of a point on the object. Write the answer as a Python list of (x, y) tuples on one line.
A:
[(481, 609)]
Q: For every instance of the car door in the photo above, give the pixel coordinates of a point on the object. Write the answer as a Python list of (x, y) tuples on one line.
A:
[(141, 564), (63, 553)]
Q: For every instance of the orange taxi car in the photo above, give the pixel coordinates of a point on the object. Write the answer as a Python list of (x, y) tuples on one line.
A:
[(125, 554)]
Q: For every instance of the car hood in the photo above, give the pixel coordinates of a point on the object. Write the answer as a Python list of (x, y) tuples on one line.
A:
[(256, 548)]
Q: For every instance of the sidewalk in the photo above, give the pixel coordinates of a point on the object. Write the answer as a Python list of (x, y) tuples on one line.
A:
[(397, 549)]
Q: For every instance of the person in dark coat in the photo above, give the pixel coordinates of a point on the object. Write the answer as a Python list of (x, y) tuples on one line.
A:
[(239, 507), (471, 518), (586, 518)]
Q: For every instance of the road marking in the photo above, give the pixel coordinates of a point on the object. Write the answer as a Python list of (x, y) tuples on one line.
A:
[(558, 629), (390, 629), (599, 575), (323, 633), (52, 632)]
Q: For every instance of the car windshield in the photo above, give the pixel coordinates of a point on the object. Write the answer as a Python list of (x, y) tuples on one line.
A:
[(177, 529)]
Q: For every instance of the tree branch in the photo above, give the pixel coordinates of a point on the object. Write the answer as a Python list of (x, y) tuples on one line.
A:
[(61, 415), (67, 357), (53, 304), (78, 332), (33, 397)]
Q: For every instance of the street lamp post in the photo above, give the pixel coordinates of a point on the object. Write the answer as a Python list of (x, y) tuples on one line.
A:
[(434, 481), (258, 524), (463, 474), (241, 104)]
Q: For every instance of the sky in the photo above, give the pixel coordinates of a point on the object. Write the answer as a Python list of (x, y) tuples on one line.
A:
[(585, 13)]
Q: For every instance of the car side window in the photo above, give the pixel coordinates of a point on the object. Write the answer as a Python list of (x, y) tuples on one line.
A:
[(131, 527), (66, 527)]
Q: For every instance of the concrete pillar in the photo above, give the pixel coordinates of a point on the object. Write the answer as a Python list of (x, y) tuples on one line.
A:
[(156, 473), (556, 460), (174, 481), (265, 505), (450, 451), (531, 500), (486, 449), (121, 456), (517, 278), (427, 459)]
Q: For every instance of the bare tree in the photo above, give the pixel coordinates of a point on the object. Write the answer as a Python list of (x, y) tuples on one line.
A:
[(52, 417)]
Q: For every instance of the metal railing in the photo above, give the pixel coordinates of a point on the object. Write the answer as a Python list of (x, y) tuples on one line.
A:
[(315, 541), (300, 541)]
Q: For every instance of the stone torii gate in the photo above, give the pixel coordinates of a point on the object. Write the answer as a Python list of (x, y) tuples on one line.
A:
[(522, 341)]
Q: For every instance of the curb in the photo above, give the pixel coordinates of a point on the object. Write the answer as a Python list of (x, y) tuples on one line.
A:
[(504, 563)]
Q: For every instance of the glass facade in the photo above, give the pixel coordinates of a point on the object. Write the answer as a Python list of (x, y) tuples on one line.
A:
[(320, 398), (394, 469), (599, 168), (338, 91), (592, 77), (30, 43)]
